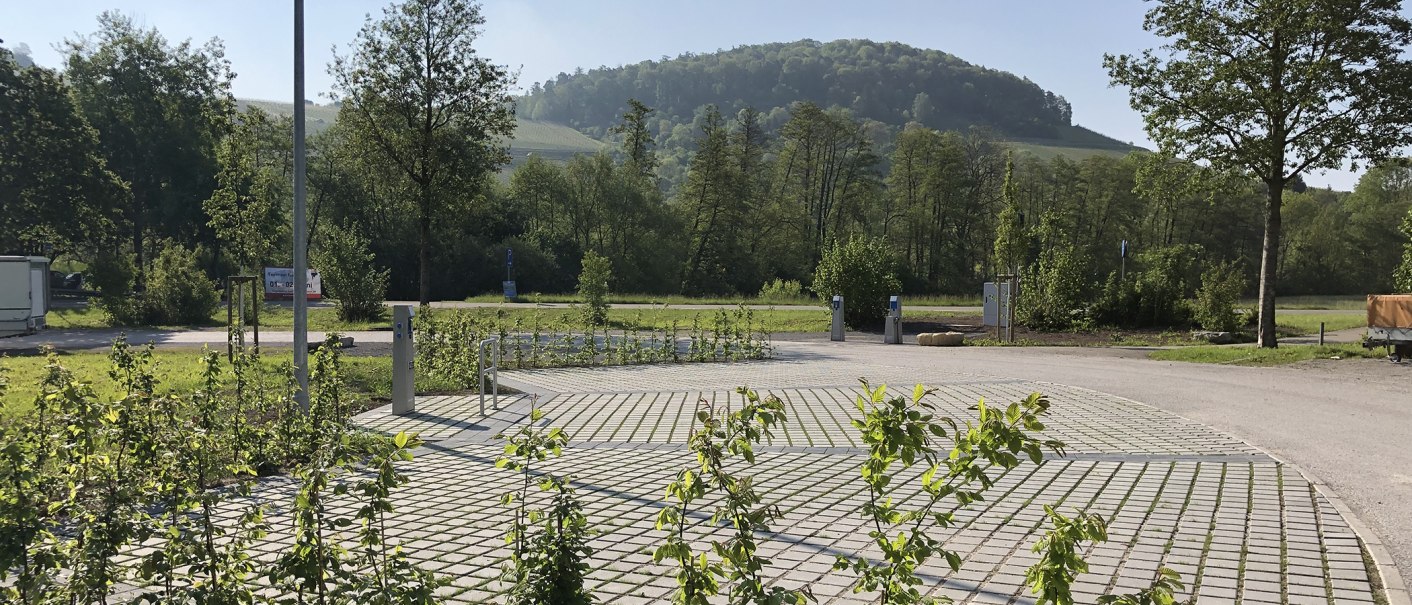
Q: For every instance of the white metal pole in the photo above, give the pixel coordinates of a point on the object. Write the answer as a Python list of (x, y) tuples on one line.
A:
[(301, 235)]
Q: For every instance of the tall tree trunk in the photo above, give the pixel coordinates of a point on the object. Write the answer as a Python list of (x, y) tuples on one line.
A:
[(1269, 257), (139, 276), (424, 258)]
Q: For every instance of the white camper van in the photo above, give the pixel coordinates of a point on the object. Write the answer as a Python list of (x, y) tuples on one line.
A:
[(24, 294)]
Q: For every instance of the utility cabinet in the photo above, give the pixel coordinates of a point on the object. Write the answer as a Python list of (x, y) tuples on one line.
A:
[(24, 294)]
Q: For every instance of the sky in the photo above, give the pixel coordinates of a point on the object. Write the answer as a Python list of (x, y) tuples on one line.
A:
[(1057, 44)]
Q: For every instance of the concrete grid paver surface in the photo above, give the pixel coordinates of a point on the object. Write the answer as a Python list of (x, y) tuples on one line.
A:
[(1238, 525)]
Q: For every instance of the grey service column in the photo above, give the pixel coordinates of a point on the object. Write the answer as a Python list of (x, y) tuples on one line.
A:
[(404, 355), (836, 333), (892, 331)]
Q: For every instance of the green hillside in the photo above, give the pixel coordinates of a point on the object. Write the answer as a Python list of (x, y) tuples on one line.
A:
[(554, 141), (885, 82), (316, 117)]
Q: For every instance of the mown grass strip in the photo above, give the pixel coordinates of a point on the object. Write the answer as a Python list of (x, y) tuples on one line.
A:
[(1240, 355)]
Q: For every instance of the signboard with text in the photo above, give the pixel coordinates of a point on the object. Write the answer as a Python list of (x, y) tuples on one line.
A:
[(279, 284)]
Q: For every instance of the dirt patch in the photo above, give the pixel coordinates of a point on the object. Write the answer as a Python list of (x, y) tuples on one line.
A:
[(1372, 371), (974, 330)]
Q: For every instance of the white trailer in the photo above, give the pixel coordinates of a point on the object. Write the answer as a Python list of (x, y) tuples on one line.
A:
[(24, 294)]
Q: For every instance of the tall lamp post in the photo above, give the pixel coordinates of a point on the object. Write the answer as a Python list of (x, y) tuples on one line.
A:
[(301, 235)]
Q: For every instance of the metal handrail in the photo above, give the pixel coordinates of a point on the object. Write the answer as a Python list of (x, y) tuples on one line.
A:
[(492, 369)]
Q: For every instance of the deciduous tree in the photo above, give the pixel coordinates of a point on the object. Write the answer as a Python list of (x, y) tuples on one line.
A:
[(1273, 89), (160, 111), (417, 95), (56, 189), (248, 210)]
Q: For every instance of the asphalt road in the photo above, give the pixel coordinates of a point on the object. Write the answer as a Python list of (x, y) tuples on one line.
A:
[(1346, 424)]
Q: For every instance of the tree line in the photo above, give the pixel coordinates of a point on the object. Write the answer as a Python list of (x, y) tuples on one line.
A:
[(137, 146)]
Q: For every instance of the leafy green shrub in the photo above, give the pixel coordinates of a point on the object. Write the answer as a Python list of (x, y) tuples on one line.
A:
[(1216, 299), (1054, 294), (1155, 295), (901, 432), (593, 288), (1116, 304), (864, 272), (84, 479), (448, 341), (112, 275), (1402, 278), (961, 461), (178, 291), (548, 565), (1165, 283), (351, 276), (718, 438), (781, 290)]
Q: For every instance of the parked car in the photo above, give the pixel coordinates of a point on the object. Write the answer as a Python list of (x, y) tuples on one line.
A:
[(60, 281)]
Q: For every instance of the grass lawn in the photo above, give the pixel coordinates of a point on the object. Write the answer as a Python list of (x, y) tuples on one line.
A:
[(323, 319), (275, 317), (1302, 324), (1249, 355), (367, 378), (1341, 302), (675, 299), (767, 320)]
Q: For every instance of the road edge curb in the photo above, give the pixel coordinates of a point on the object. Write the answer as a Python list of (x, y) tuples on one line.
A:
[(1394, 587)]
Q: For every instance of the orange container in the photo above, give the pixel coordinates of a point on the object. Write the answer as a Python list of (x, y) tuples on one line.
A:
[(1390, 310)]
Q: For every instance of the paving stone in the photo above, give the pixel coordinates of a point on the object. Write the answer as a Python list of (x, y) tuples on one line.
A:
[(1174, 492)]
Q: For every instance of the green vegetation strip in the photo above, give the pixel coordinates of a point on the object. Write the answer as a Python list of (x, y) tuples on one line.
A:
[(325, 319), (321, 319), (677, 299), (1242, 355), (367, 378), (1308, 323)]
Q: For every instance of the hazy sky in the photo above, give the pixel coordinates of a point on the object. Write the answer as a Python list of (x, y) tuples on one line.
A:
[(1057, 44)]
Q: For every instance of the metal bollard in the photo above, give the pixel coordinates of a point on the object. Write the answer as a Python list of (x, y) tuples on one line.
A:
[(836, 333), (404, 355), (892, 331), (489, 366)]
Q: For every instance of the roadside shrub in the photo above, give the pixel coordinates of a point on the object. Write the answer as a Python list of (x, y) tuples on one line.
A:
[(781, 290), (112, 274), (1221, 287), (1116, 304), (593, 288), (1054, 295), (178, 291), (350, 275), (1155, 294), (864, 272)]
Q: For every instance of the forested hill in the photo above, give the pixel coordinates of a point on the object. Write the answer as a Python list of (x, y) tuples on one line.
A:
[(888, 82)]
